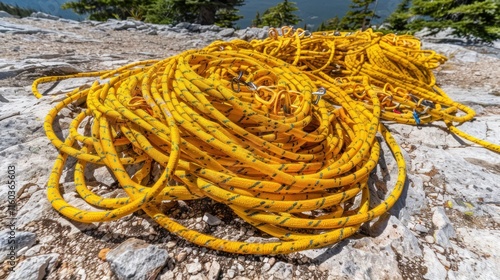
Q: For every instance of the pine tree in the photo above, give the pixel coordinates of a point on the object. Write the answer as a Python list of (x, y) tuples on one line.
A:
[(468, 18), (104, 9), (331, 24), (257, 21), (281, 15), (398, 20), (170, 12), (359, 15), (222, 13)]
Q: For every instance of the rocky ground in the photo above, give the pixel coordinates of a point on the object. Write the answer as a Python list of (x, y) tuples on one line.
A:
[(445, 226)]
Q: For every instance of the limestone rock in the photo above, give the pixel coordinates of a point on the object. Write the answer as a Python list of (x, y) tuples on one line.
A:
[(281, 270), (443, 227), (135, 259), (44, 16), (4, 14), (227, 32), (20, 240), (357, 260), (34, 268), (435, 270), (389, 231)]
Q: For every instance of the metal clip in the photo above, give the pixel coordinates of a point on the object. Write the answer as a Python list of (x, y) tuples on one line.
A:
[(321, 91), (238, 82), (428, 103)]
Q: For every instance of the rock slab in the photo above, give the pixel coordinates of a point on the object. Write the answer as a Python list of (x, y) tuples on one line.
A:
[(135, 259)]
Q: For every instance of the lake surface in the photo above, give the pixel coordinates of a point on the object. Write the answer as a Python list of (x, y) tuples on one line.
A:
[(312, 12)]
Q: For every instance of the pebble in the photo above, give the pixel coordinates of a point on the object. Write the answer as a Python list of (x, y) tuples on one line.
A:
[(194, 268), (421, 228), (181, 256), (171, 244), (211, 220), (231, 273), (214, 271), (439, 249), (135, 258), (240, 267), (429, 239), (265, 267), (271, 261)]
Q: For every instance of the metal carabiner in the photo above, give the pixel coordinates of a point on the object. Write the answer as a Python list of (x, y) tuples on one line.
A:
[(319, 93), (237, 80)]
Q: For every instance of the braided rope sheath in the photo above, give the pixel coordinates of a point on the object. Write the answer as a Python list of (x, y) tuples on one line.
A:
[(241, 123)]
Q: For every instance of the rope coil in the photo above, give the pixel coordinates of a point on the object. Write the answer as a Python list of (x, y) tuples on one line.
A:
[(290, 152)]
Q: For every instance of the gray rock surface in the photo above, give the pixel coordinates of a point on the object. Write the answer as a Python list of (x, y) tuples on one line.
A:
[(135, 259), (4, 14), (435, 270), (18, 239), (44, 16), (35, 268)]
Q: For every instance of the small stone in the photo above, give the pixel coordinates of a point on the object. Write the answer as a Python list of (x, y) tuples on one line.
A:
[(240, 267), (231, 273), (169, 275), (102, 254), (439, 249), (181, 256), (226, 32), (271, 261), (281, 270), (214, 271), (421, 228), (429, 239), (136, 259), (171, 244), (194, 268), (211, 220), (265, 267), (241, 258)]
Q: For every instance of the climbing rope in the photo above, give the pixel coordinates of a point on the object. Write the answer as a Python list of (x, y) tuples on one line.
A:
[(282, 131)]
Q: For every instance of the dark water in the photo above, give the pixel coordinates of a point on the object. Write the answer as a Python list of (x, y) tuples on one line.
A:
[(312, 12)]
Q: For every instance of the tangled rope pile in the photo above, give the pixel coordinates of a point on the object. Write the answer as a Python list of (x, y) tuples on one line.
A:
[(282, 131)]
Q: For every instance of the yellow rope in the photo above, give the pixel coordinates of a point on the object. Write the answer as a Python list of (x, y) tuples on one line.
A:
[(246, 124)]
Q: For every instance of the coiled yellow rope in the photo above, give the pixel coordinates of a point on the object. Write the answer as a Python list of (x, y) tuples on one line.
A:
[(281, 130)]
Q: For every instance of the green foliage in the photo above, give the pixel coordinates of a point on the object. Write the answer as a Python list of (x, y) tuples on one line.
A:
[(468, 18), (400, 17), (331, 24), (359, 16), (171, 12), (15, 10), (257, 21), (280, 15), (222, 13), (104, 9)]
